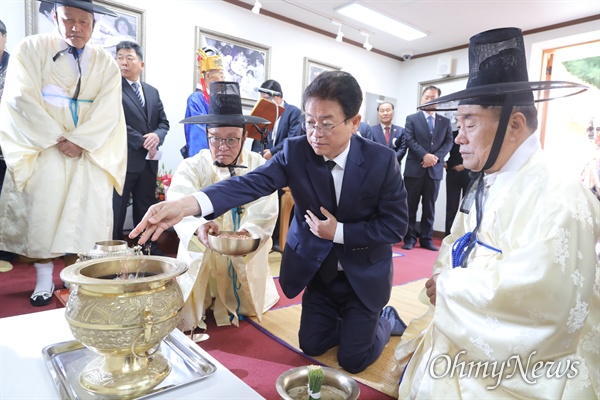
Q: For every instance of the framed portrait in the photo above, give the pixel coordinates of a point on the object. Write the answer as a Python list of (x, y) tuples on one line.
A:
[(447, 86), (245, 62), (312, 69), (129, 24)]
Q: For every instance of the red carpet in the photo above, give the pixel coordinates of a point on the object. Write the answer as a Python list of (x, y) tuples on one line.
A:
[(253, 356)]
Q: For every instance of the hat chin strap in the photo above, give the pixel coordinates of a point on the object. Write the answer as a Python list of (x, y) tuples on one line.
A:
[(476, 186), (474, 191), (505, 114)]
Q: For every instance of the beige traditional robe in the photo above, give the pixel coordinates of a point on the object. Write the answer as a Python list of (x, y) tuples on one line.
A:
[(208, 275), (52, 204), (538, 301)]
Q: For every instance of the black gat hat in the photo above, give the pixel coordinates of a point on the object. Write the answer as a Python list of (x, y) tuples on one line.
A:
[(225, 108), (497, 68)]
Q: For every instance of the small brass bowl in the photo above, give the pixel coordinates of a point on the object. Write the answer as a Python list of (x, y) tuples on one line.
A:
[(225, 244), (297, 378)]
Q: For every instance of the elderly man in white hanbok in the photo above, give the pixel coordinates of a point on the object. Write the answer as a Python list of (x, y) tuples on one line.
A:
[(515, 306), (232, 286), (63, 135)]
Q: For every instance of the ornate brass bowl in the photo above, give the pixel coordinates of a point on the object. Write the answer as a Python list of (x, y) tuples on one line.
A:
[(122, 308), (292, 384), (225, 243)]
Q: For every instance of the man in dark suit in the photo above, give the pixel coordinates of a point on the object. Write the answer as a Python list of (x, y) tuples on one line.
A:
[(339, 246), (457, 182), (387, 133), (429, 139), (288, 125), (147, 126)]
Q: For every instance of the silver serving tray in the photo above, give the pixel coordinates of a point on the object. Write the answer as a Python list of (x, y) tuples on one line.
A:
[(67, 359)]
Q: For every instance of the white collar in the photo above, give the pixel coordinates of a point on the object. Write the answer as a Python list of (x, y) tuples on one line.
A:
[(341, 159)]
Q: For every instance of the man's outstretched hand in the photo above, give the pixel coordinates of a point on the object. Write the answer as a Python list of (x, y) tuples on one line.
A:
[(162, 216)]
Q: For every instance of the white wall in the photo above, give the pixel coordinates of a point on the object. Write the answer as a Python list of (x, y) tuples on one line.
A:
[(170, 52)]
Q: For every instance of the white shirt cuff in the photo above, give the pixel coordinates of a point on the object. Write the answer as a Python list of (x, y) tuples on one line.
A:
[(339, 233), (205, 204)]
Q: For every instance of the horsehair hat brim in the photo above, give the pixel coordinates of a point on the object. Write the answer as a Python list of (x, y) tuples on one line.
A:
[(225, 120), (85, 5), (225, 108), (497, 67)]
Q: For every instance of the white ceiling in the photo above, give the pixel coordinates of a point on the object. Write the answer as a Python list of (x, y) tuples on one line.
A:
[(448, 23)]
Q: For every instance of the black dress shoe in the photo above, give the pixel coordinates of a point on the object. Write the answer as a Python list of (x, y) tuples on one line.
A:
[(398, 326), (408, 246), (429, 246), (42, 298)]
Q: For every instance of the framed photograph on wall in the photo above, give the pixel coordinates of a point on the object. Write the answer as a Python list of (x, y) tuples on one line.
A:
[(312, 69), (447, 86), (129, 24), (245, 62)]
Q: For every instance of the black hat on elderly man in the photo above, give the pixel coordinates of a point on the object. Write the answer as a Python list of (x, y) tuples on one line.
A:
[(498, 77), (225, 108), (498, 68), (85, 5)]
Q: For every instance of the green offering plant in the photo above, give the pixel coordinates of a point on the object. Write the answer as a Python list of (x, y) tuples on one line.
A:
[(315, 380)]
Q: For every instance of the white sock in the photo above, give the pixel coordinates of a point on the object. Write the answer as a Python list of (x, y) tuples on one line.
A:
[(43, 277)]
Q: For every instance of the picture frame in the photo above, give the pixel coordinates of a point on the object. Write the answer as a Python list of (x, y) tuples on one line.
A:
[(447, 85), (245, 62), (130, 23), (312, 69)]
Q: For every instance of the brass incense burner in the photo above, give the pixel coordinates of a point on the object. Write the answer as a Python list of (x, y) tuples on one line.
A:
[(122, 308)]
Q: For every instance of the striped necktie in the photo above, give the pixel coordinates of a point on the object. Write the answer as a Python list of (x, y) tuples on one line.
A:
[(430, 123), (136, 89)]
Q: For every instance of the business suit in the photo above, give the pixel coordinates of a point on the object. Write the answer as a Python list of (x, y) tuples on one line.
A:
[(457, 183), (397, 141), (372, 207), (290, 125), (140, 181), (424, 183)]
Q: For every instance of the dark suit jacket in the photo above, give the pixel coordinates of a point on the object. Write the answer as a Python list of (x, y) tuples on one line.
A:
[(397, 143), (372, 207), (290, 125), (420, 142), (140, 121)]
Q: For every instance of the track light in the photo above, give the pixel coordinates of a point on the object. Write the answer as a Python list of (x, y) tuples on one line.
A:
[(368, 46), (340, 34), (256, 8)]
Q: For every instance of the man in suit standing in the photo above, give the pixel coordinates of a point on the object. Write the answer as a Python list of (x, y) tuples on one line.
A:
[(429, 139), (457, 182), (350, 207), (387, 133), (289, 123), (147, 126)]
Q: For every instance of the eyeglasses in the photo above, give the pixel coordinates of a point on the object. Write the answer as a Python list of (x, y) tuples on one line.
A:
[(217, 141), (324, 129)]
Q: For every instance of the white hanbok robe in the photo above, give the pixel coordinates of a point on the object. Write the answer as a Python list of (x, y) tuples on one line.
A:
[(52, 204), (208, 277), (537, 301)]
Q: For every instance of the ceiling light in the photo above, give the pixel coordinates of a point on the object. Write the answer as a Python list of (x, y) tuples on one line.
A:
[(256, 8), (368, 46), (340, 34), (379, 21)]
